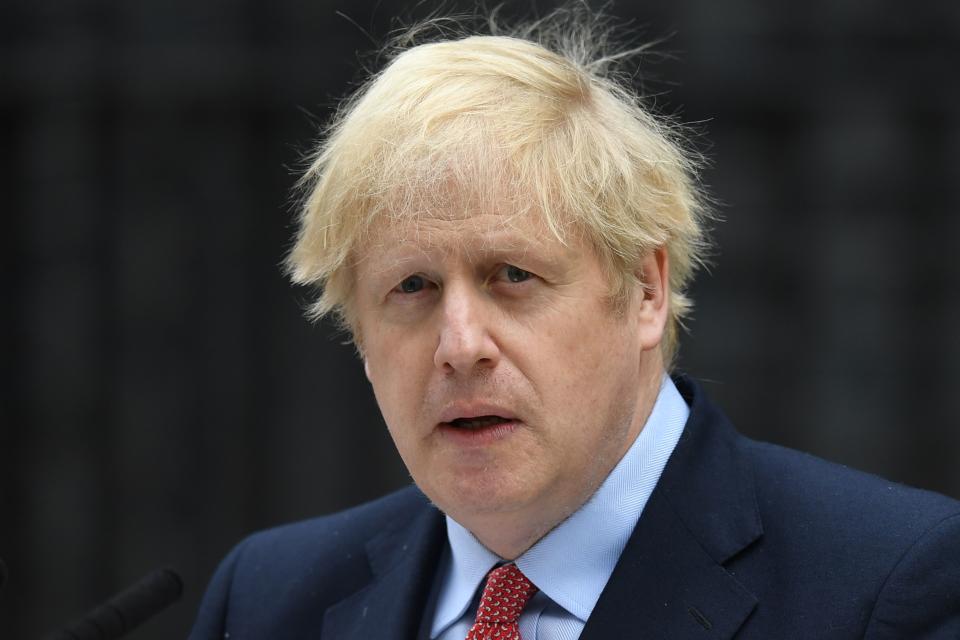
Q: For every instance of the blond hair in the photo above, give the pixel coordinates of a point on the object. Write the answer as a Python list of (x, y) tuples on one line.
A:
[(530, 122)]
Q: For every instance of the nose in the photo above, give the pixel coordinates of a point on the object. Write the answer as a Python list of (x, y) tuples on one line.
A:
[(465, 342)]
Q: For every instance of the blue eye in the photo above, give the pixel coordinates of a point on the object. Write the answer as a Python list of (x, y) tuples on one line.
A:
[(516, 274), (411, 284)]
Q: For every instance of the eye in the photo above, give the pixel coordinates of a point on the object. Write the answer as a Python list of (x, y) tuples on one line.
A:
[(411, 284), (516, 274)]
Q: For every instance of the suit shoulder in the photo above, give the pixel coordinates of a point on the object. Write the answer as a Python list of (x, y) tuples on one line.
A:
[(814, 490), (290, 574), (892, 550), (336, 532), (320, 559)]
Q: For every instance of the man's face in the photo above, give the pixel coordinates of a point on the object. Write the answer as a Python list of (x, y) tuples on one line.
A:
[(507, 382)]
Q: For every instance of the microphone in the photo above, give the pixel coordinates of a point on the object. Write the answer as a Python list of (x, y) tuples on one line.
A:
[(127, 610)]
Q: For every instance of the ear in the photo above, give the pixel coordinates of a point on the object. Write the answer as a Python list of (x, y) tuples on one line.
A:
[(366, 369), (652, 308)]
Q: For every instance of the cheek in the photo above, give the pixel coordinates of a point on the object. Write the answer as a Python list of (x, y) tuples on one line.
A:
[(398, 399), (398, 368), (393, 393), (591, 347), (588, 370)]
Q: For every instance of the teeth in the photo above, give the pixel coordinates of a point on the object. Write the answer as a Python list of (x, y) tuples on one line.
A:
[(478, 422)]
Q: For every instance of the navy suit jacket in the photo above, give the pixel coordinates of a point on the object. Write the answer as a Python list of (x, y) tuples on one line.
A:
[(739, 539)]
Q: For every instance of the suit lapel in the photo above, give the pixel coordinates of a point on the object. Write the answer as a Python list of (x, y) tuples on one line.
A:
[(404, 562), (670, 581)]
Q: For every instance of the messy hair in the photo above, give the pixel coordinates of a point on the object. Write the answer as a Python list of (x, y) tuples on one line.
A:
[(534, 119)]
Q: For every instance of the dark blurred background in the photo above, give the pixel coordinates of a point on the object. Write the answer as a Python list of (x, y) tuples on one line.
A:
[(163, 395)]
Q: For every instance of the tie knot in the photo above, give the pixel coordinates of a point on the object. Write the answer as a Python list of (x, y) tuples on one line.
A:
[(506, 594)]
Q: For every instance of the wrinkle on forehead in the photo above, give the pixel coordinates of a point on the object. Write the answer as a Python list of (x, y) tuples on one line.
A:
[(468, 237), (467, 198), (464, 230)]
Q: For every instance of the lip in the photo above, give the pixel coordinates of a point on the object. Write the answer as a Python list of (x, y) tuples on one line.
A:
[(474, 410), (466, 439)]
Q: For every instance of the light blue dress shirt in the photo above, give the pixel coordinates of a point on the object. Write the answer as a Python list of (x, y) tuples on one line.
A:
[(572, 563)]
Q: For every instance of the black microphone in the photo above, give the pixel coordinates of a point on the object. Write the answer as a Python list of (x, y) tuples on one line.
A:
[(127, 610)]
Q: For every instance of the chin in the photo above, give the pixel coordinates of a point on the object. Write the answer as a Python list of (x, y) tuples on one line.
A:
[(464, 496)]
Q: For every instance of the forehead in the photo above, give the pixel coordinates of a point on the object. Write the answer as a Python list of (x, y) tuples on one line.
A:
[(464, 234)]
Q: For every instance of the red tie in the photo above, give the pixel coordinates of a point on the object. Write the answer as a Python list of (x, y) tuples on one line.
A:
[(506, 594)]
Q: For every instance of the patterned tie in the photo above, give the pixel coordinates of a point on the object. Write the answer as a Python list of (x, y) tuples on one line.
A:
[(506, 594)]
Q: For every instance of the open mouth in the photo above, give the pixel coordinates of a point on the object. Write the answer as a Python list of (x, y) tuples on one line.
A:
[(478, 422)]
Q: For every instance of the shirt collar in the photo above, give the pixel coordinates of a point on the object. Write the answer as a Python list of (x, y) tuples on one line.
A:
[(572, 563)]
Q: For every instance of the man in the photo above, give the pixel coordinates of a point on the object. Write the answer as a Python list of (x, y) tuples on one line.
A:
[(507, 235)]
